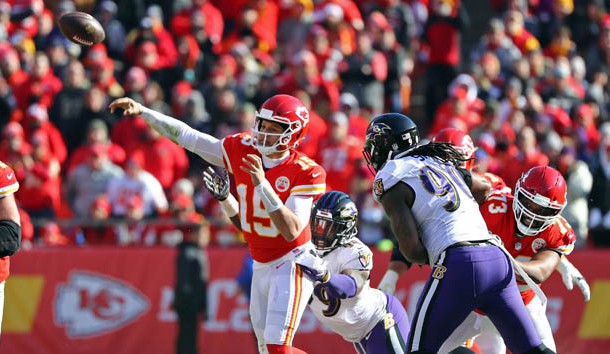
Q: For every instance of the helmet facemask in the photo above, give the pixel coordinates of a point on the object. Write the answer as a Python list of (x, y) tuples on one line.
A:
[(330, 232), (262, 140), (534, 213)]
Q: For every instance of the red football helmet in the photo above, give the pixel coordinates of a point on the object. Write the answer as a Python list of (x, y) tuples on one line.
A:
[(540, 196), (290, 113), (461, 141)]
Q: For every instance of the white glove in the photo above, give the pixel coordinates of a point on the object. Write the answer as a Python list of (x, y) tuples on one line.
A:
[(313, 266), (388, 282), (570, 276)]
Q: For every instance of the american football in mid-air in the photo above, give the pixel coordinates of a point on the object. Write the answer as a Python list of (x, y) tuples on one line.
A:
[(81, 28)]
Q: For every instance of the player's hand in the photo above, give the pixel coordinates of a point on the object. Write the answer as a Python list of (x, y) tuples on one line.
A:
[(127, 105), (572, 276), (313, 266), (217, 183), (253, 165)]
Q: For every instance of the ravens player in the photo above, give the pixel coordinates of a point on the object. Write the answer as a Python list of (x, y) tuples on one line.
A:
[(436, 221)]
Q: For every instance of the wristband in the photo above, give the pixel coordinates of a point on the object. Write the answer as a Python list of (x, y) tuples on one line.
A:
[(269, 198), (230, 206)]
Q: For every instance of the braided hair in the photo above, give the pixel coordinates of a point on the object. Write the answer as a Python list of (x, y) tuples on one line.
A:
[(444, 152)]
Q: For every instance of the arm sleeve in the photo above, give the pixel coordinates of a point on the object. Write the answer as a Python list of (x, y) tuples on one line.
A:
[(301, 207), (204, 145)]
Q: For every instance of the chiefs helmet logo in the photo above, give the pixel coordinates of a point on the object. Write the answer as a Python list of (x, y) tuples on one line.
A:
[(302, 113)]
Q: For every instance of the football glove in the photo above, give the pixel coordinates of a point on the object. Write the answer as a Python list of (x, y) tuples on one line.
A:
[(570, 276), (313, 266), (217, 183)]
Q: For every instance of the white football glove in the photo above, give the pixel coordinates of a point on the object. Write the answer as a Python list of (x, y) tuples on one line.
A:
[(313, 266), (570, 276), (388, 282)]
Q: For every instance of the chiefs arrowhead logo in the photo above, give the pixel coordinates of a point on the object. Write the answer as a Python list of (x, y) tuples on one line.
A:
[(92, 304)]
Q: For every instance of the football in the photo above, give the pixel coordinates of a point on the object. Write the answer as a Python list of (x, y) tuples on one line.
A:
[(81, 28)]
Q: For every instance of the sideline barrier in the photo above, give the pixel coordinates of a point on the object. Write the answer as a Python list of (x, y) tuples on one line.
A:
[(100, 300)]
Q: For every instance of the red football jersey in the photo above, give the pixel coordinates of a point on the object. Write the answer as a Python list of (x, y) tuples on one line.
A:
[(497, 183), (297, 175), (498, 214), (8, 186)]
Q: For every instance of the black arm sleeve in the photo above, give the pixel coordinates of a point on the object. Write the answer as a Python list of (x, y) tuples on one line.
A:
[(10, 238), (397, 255), (467, 177)]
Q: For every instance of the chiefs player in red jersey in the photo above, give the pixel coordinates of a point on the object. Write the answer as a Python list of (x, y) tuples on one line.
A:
[(10, 225), (276, 187)]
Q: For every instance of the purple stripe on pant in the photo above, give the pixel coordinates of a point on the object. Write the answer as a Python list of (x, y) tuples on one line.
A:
[(463, 279), (379, 341)]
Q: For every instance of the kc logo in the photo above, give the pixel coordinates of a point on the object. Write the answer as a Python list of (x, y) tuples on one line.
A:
[(439, 272), (92, 304)]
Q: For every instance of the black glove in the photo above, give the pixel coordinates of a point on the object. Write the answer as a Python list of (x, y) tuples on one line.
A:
[(217, 183)]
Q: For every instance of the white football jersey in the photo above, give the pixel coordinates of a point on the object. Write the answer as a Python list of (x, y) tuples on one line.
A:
[(355, 317), (444, 207)]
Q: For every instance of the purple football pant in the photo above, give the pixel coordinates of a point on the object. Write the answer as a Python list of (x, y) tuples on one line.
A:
[(389, 336), (464, 279)]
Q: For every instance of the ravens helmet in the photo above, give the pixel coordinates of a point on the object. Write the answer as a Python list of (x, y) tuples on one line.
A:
[(333, 221), (387, 136)]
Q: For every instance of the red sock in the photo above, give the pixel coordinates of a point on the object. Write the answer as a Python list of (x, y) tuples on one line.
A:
[(283, 349)]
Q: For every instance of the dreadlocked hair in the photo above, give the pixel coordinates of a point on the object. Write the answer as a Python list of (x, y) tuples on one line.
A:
[(442, 151)]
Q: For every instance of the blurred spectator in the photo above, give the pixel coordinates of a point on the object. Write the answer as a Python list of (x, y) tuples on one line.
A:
[(181, 222), (489, 80), (39, 194), (302, 74), (599, 199), (341, 34), (357, 123), (363, 73), (58, 55), (36, 121), (497, 42), (340, 154), (152, 31), (327, 56), (134, 230), (213, 23), (97, 230), (15, 150), (42, 85), (128, 132), (135, 82), (461, 110), (441, 39), (96, 138), (402, 19), (293, 27), (51, 235), (89, 179), (190, 290), (516, 31), (579, 182), (166, 161), (136, 182), (317, 127), (115, 31), (103, 78), (528, 156), (69, 103)]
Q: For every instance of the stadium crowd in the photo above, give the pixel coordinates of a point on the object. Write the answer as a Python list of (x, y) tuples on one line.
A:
[(532, 91)]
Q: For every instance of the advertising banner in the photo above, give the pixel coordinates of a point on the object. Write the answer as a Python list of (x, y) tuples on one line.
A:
[(101, 300)]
